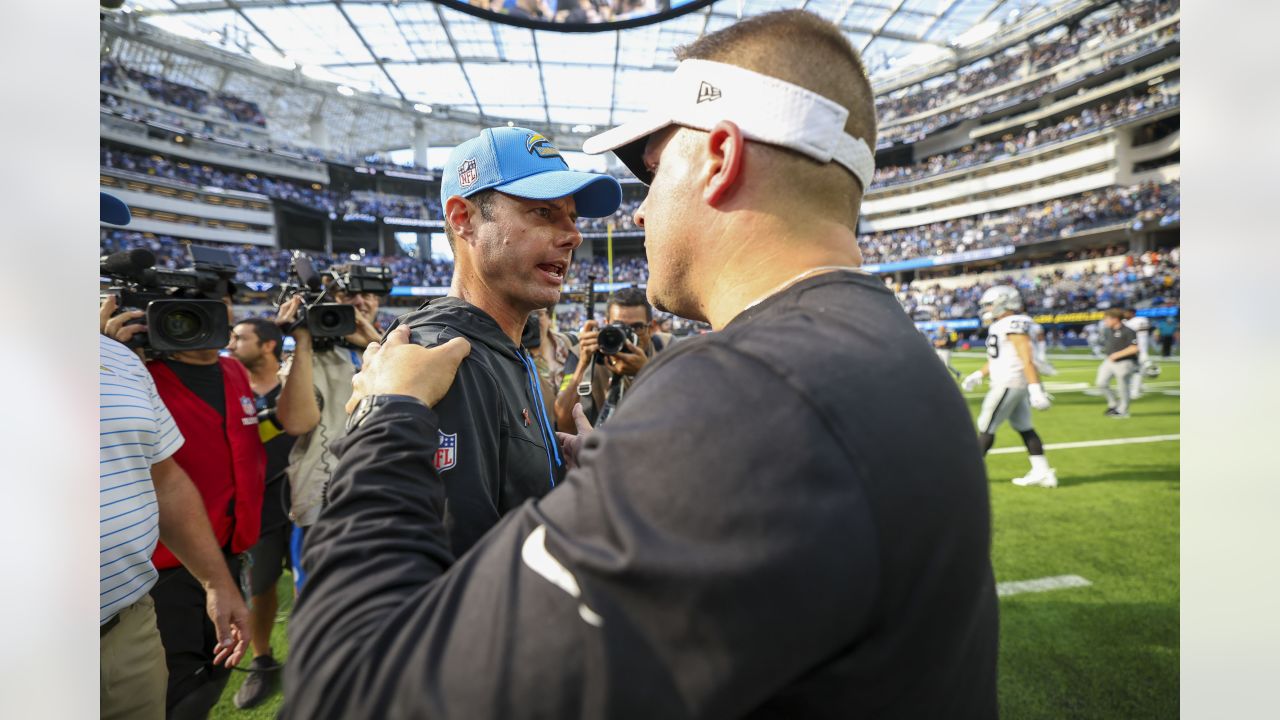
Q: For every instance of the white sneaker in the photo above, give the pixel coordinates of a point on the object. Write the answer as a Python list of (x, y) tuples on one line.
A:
[(1048, 478)]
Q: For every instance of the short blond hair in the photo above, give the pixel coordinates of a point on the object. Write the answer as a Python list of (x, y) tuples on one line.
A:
[(802, 49)]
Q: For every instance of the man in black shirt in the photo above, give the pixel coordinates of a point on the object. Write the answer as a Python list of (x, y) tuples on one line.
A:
[(1120, 344), (790, 552), (258, 344)]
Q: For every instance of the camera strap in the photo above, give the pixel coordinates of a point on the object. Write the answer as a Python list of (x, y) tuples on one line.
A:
[(617, 387), (584, 387)]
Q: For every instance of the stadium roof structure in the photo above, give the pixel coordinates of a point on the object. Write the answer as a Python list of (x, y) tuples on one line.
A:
[(427, 56)]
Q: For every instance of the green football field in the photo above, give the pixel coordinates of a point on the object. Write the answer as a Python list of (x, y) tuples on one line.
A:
[(1108, 649)]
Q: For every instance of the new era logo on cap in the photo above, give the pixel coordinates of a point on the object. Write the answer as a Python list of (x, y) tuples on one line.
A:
[(708, 92)]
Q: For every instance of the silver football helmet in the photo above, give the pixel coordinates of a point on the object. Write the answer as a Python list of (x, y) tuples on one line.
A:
[(1000, 299)]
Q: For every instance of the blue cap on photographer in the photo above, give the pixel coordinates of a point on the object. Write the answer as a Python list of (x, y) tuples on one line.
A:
[(113, 210), (520, 162)]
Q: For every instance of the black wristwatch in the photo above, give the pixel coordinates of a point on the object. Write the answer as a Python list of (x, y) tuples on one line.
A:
[(372, 402)]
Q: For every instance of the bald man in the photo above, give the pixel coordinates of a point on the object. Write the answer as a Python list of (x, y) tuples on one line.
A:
[(788, 552)]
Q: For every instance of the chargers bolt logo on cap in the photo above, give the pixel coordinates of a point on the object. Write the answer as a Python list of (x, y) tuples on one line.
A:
[(540, 146)]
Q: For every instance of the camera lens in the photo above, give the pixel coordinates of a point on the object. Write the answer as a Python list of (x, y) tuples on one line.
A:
[(330, 319), (611, 340), (182, 325)]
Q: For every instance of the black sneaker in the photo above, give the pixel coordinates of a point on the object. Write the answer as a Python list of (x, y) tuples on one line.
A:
[(264, 678), (1111, 412)]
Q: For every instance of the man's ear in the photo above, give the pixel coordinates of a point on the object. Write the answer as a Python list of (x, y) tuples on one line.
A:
[(458, 214), (725, 146)]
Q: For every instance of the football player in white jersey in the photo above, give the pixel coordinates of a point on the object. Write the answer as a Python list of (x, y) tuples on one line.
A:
[(1015, 382), (1142, 327)]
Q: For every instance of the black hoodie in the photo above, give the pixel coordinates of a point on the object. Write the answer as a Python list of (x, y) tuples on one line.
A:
[(503, 443)]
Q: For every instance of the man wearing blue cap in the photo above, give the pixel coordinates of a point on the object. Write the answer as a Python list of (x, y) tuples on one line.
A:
[(510, 204)]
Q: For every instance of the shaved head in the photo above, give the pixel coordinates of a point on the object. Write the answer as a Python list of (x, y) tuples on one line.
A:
[(802, 49)]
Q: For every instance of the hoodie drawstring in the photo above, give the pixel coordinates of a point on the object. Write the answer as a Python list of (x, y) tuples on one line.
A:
[(548, 434)]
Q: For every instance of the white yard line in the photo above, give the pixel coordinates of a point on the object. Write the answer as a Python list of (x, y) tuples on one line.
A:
[(1057, 388), (1057, 582), (1090, 443), (1053, 357)]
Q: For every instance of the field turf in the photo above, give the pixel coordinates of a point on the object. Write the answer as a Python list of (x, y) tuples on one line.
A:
[(1108, 650)]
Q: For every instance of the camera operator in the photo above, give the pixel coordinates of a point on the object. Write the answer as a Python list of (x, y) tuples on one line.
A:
[(611, 374), (211, 401), (258, 344), (311, 406), (187, 315)]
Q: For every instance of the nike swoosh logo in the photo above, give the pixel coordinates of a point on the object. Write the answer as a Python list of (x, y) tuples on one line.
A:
[(536, 558)]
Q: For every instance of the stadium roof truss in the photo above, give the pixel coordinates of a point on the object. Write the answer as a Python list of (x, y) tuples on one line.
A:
[(418, 53)]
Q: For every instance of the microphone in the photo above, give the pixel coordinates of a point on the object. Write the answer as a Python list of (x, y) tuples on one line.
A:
[(306, 272), (127, 263)]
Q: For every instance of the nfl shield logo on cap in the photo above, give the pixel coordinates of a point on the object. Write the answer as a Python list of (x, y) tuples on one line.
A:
[(467, 174)]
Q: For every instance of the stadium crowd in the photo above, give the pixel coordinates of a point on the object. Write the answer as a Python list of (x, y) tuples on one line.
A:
[(375, 205), (1136, 104), (621, 220), (1146, 279), (1008, 69), (1146, 203), (383, 205), (271, 265), (116, 75)]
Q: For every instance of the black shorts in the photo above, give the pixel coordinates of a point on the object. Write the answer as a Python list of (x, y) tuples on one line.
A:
[(270, 558), (187, 633), (271, 554)]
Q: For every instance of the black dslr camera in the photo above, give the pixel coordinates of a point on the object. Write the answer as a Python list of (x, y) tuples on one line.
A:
[(184, 308), (614, 338), (325, 321)]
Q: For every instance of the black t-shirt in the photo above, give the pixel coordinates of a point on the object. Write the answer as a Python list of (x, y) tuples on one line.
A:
[(1115, 340), (755, 533), (278, 443), (203, 380)]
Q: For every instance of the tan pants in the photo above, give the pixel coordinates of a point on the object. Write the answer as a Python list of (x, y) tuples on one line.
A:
[(132, 677)]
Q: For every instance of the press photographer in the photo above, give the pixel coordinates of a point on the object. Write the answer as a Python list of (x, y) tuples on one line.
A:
[(609, 358), (331, 323), (179, 320)]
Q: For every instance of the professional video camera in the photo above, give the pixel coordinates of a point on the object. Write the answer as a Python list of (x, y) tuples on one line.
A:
[(325, 321), (184, 308), (353, 278), (614, 338)]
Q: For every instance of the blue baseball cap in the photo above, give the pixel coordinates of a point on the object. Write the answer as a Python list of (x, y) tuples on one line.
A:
[(521, 162), (113, 210)]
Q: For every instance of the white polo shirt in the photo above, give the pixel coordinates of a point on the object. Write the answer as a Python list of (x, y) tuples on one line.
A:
[(135, 431)]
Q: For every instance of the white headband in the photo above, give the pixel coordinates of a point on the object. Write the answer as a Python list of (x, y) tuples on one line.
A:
[(768, 110)]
